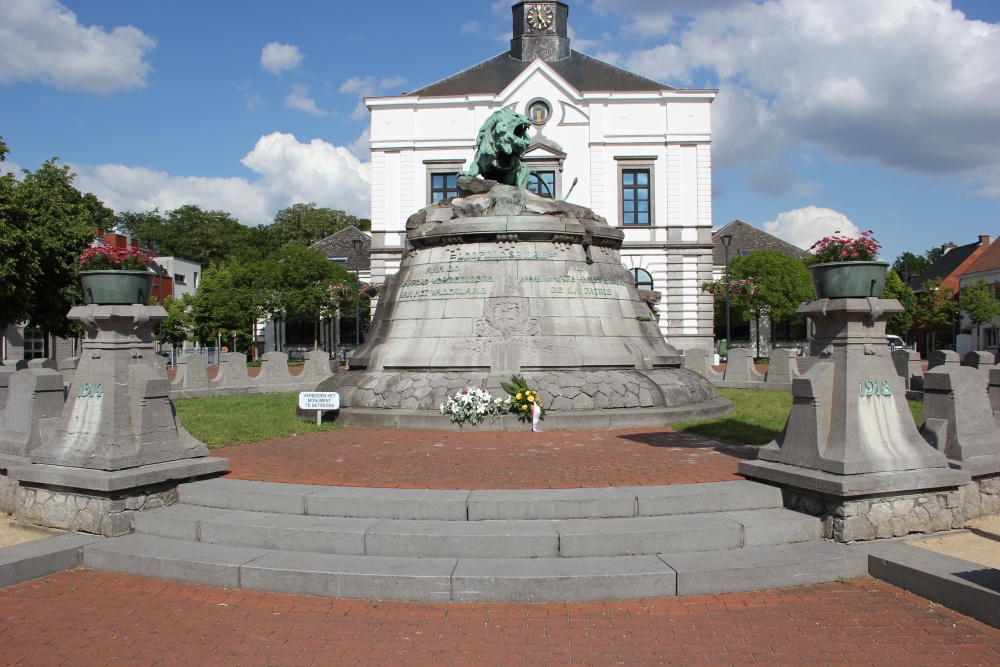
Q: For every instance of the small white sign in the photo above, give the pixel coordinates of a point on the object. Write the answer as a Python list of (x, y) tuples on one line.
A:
[(319, 400)]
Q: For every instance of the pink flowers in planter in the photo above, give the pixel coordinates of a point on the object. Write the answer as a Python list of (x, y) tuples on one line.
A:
[(846, 249), (104, 258)]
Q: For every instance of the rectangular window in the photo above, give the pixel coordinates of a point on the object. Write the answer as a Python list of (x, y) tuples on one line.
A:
[(35, 344), (548, 178), (636, 197), (992, 338), (443, 185), (180, 279)]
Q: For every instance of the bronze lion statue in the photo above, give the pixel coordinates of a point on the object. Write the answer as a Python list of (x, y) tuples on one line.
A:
[(501, 144)]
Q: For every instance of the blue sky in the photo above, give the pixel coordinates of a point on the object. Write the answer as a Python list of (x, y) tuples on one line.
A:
[(847, 115)]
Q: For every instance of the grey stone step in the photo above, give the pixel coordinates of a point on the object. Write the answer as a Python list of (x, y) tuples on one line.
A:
[(480, 580), (461, 505), (574, 538), (765, 568)]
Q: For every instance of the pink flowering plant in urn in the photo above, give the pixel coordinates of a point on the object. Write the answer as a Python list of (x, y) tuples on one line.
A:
[(104, 258), (845, 267), (863, 248)]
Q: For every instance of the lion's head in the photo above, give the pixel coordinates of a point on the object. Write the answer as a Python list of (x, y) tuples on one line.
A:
[(504, 136)]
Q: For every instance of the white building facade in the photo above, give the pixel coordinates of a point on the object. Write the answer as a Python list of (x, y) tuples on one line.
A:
[(639, 152)]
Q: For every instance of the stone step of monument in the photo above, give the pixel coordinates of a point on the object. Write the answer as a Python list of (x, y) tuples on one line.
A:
[(519, 538), (480, 505), (477, 579)]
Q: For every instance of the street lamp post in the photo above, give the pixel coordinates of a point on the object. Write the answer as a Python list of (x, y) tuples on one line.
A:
[(357, 289), (727, 240)]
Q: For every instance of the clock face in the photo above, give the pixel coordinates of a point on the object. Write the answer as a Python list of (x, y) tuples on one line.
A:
[(540, 17)]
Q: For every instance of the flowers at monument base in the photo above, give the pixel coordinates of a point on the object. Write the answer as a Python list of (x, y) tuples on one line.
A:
[(473, 405), (523, 399), (835, 248), (104, 258)]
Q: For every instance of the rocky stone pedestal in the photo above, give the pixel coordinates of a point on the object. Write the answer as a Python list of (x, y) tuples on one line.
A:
[(850, 449), (119, 446)]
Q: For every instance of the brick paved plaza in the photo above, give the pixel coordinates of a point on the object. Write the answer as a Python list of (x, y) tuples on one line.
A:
[(84, 618)]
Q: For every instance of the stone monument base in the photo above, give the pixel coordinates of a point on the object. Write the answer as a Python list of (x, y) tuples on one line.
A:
[(97, 501)]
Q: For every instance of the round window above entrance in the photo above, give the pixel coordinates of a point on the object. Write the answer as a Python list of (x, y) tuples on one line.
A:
[(539, 111)]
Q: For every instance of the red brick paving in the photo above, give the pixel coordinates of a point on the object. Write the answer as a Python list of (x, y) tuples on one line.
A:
[(84, 618), (488, 460)]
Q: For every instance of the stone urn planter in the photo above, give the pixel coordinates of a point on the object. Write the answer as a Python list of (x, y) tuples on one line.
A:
[(109, 288), (849, 280)]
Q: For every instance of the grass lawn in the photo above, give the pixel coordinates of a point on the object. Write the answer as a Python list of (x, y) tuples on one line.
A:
[(228, 420), (757, 418)]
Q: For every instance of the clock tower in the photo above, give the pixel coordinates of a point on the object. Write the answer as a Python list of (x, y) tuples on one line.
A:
[(540, 31)]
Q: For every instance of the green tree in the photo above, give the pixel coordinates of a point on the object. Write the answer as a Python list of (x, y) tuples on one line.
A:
[(782, 284), (175, 329), (979, 301), (896, 289), (934, 307), (192, 233), (305, 224), (45, 224)]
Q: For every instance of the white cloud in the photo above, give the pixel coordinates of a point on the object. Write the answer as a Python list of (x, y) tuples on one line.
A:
[(910, 84), (276, 57), (41, 40), (470, 28), (299, 99), (368, 87), (361, 147), (804, 226), (289, 172)]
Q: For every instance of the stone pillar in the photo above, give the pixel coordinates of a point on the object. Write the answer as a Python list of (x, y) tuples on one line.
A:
[(317, 367), (232, 371), (273, 369), (979, 359), (850, 441), (119, 446)]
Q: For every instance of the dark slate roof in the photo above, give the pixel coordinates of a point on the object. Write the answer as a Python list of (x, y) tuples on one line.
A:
[(579, 70), (747, 238), (338, 246), (946, 265)]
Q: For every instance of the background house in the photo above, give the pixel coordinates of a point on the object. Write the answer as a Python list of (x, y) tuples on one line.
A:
[(986, 266), (639, 150), (955, 262)]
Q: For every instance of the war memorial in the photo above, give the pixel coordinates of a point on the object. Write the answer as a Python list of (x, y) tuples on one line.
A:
[(494, 282)]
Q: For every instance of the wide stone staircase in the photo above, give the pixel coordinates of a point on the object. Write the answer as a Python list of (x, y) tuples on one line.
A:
[(543, 545)]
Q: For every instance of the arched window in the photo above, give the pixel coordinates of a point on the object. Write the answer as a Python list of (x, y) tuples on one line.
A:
[(643, 279)]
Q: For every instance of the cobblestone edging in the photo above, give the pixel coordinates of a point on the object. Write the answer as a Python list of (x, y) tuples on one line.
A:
[(559, 390)]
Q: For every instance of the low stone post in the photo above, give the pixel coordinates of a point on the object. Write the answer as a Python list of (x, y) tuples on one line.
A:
[(943, 358), (35, 398), (192, 372), (700, 361), (316, 368), (783, 367), (5, 374), (118, 447), (739, 366), (958, 419), (232, 371), (850, 452), (908, 367), (979, 359), (274, 369)]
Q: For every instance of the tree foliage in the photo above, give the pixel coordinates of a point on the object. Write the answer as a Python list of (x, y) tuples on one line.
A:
[(45, 224), (782, 284), (305, 224), (934, 307), (189, 232)]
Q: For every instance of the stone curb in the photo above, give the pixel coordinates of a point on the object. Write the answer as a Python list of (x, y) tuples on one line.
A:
[(40, 558), (968, 588)]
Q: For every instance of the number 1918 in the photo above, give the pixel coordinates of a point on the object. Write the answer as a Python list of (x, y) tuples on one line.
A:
[(873, 388)]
